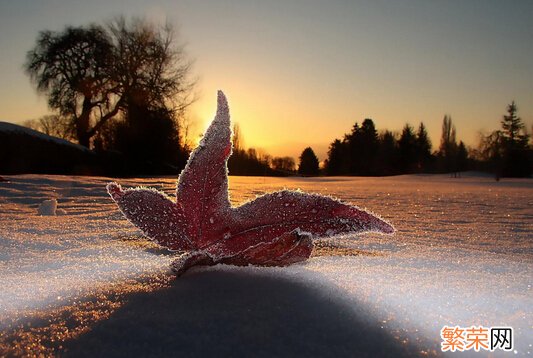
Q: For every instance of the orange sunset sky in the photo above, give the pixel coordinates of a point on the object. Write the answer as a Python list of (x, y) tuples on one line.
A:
[(300, 73)]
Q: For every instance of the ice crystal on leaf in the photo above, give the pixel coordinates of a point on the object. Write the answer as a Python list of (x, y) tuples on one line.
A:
[(273, 230)]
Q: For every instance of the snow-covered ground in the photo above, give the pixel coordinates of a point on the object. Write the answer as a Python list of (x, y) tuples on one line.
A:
[(85, 282)]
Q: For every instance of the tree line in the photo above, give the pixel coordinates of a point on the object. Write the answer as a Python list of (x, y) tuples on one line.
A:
[(248, 161), (123, 89), (367, 152)]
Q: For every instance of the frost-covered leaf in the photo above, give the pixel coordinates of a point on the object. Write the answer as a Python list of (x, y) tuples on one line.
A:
[(203, 184), (290, 247), (273, 230), (273, 214), (158, 217)]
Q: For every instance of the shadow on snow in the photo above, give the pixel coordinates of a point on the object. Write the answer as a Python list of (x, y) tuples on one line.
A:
[(237, 313)]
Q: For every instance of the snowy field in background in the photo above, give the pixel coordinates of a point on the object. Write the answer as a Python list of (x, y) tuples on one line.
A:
[(463, 255)]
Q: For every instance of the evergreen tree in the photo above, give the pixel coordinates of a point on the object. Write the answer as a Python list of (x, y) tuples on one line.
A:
[(362, 146), (336, 158), (387, 158), (308, 162), (423, 148), (516, 154), (354, 146), (368, 147), (514, 135), (407, 150), (462, 157)]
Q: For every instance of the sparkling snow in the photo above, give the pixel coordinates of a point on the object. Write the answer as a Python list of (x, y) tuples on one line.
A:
[(462, 255)]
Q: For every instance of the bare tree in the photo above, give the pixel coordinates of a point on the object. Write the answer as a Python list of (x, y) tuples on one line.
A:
[(285, 164), (91, 74), (54, 125), (71, 67), (150, 68), (448, 146), (238, 141), (448, 141), (185, 130)]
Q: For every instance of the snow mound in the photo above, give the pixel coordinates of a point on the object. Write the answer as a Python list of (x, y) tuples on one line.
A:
[(49, 208), (7, 127)]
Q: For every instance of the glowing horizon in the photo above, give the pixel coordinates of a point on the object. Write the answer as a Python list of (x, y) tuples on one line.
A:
[(301, 73)]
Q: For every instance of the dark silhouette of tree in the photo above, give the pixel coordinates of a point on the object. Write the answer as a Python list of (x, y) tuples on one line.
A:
[(423, 149), (249, 161), (515, 152), (72, 67), (506, 152), (354, 149), (448, 146), (448, 135), (369, 146), (387, 159), (462, 157), (284, 164), (337, 158), (489, 152), (91, 74), (149, 67), (407, 149), (513, 129), (54, 125), (150, 135), (238, 142), (362, 145), (308, 162), (364, 152)]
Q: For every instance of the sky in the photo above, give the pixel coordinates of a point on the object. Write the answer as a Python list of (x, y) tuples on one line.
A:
[(300, 73)]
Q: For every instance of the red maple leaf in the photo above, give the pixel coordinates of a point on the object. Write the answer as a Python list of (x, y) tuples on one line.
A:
[(272, 230)]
